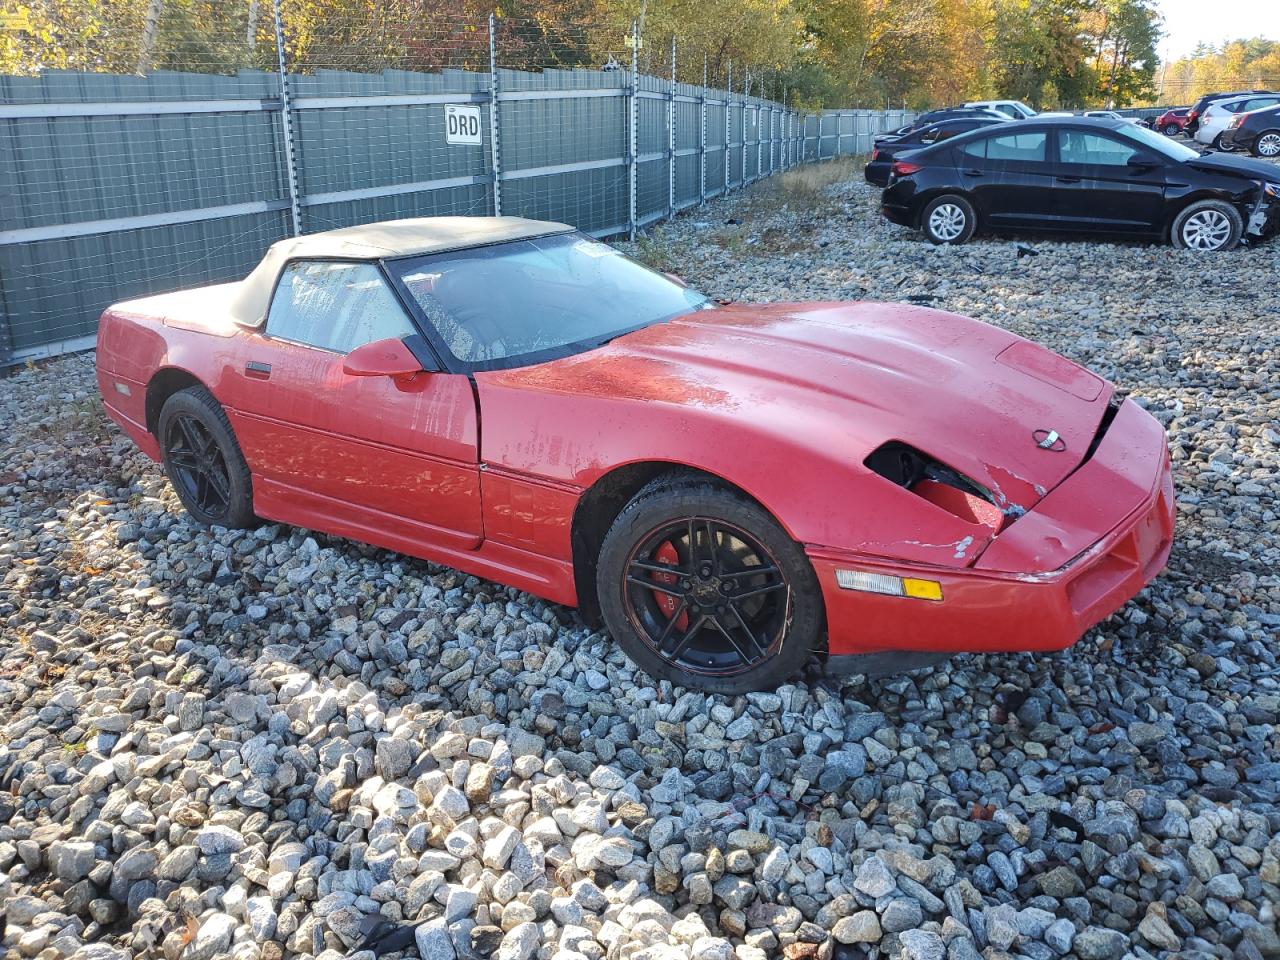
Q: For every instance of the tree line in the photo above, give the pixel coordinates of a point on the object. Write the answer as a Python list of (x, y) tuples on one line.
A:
[(917, 53)]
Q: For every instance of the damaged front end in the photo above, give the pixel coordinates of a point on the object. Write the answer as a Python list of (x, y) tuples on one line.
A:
[(1264, 215), (1044, 574), (986, 505)]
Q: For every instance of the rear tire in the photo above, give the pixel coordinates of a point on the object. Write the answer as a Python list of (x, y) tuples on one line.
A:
[(1170, 129), (1207, 226), (203, 460), (712, 623), (1267, 144), (949, 219)]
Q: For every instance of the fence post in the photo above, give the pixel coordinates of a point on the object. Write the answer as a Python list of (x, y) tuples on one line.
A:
[(671, 138), (786, 130), (728, 127), (633, 134), (759, 138), (286, 115), (746, 92), (702, 137), (495, 137)]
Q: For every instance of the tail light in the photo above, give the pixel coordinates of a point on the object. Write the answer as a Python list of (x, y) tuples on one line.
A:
[(875, 155), (1235, 122), (903, 168), (1193, 114)]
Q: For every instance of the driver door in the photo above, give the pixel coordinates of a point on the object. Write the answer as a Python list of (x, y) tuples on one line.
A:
[(1101, 190), (354, 455)]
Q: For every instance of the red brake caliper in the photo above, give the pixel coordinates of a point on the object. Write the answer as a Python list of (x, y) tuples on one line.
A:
[(667, 603)]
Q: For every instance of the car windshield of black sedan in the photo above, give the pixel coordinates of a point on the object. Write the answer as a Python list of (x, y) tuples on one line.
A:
[(1158, 142), (533, 300)]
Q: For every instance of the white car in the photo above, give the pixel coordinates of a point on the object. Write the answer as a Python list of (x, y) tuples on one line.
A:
[(1093, 114), (1110, 115), (1010, 108), (1220, 113)]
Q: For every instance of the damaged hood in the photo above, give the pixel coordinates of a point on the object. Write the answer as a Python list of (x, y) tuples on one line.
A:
[(1240, 166), (849, 377)]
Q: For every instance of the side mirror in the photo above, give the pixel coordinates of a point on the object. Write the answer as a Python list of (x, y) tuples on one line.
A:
[(675, 278), (1143, 161), (381, 358)]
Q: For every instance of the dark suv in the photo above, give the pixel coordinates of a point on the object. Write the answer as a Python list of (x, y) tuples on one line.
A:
[(1257, 131)]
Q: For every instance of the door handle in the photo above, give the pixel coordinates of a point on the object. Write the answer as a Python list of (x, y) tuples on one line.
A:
[(974, 173), (1068, 179), (257, 370)]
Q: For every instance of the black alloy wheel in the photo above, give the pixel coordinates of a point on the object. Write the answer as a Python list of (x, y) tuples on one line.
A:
[(203, 460), (700, 585), (706, 597), (200, 470)]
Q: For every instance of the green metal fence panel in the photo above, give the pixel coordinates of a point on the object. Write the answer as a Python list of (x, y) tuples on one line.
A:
[(121, 186)]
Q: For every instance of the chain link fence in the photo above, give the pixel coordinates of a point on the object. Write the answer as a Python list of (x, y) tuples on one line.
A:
[(148, 147)]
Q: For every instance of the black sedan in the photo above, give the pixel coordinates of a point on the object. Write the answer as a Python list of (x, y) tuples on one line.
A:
[(1257, 131), (1091, 176), (877, 170), (936, 116)]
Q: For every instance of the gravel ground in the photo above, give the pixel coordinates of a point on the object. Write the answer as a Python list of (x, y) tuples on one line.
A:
[(222, 743)]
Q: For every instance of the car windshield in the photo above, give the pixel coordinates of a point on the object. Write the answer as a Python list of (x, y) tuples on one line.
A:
[(1158, 142), (532, 300)]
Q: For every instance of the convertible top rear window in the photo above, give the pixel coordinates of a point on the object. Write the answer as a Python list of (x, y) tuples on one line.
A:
[(523, 302)]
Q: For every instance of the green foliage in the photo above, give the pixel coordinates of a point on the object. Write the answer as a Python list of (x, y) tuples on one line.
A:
[(869, 53), (1237, 65)]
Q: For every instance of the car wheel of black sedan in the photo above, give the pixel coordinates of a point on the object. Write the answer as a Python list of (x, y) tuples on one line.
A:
[(203, 460), (1267, 144), (1207, 226), (949, 219), (701, 586)]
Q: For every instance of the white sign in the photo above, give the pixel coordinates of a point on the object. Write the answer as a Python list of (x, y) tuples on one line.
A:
[(462, 125)]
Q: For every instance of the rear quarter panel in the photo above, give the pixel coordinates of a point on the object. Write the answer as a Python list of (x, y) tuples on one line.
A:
[(130, 349), (137, 342)]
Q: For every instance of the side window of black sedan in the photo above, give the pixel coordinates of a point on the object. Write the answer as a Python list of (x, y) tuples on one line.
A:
[(1017, 148), (1090, 149)]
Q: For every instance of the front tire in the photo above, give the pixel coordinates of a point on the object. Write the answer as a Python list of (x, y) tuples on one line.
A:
[(1219, 145), (1170, 129), (949, 219), (703, 587), (1207, 226), (203, 460), (1267, 145)]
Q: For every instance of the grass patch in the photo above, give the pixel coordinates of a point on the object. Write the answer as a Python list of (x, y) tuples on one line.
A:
[(805, 188), (658, 251)]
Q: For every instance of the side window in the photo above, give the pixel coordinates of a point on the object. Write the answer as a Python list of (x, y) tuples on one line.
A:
[(1259, 102), (1017, 148), (930, 134), (335, 306), (973, 150), (1008, 111), (1089, 148)]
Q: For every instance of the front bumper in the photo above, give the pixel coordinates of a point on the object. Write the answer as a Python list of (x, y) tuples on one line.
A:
[(1085, 549)]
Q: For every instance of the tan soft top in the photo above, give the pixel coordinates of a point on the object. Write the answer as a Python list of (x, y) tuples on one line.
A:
[(373, 241)]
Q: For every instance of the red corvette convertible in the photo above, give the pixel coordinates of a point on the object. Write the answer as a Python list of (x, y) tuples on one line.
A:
[(727, 488)]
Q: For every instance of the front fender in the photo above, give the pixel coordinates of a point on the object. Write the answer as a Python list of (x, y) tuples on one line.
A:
[(818, 492)]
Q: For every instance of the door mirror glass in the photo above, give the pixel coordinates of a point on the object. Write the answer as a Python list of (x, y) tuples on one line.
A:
[(382, 358)]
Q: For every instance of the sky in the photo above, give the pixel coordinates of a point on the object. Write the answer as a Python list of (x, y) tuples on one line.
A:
[(1188, 22)]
